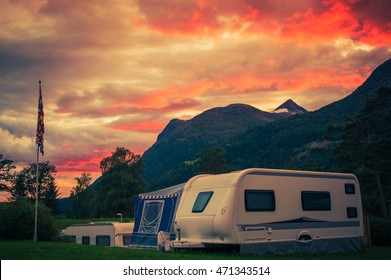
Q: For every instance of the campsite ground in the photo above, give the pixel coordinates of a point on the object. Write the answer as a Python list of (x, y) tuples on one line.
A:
[(29, 250)]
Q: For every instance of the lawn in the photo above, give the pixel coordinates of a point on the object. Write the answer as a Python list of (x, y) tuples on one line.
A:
[(28, 250)]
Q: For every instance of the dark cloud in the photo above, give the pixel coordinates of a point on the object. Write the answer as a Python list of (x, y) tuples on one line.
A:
[(179, 16), (19, 126), (376, 12), (284, 9), (181, 104), (108, 100), (370, 59)]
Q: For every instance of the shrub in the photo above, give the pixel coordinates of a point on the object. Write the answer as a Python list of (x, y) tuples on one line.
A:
[(17, 221), (380, 231)]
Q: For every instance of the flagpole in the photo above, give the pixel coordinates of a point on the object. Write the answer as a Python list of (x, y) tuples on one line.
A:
[(39, 144), (36, 198)]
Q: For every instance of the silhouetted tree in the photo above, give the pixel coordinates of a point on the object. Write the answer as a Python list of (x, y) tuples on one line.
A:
[(80, 196), (24, 183), (122, 178)]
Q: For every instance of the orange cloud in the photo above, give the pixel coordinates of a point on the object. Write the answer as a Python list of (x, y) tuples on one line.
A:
[(151, 125), (309, 27)]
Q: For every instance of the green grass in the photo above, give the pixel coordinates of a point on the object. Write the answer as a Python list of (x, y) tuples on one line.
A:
[(28, 250)]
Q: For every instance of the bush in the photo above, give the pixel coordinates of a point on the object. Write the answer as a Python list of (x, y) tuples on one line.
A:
[(17, 221), (380, 231)]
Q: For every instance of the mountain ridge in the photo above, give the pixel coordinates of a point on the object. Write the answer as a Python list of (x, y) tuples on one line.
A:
[(225, 114)]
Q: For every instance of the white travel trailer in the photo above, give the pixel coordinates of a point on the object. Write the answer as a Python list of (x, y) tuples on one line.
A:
[(271, 211), (101, 233)]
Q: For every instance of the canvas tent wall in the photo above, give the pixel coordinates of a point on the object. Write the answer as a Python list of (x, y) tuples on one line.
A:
[(155, 212)]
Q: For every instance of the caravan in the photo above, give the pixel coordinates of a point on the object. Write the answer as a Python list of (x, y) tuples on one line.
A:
[(271, 211), (100, 233)]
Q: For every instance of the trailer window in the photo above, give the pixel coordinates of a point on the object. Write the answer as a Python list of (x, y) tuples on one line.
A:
[(315, 201), (201, 201), (351, 212), (350, 189), (259, 200), (103, 240), (85, 240)]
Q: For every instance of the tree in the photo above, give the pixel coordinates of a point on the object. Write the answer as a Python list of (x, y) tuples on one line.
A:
[(83, 182), (17, 221), (365, 150), (212, 161), (51, 198), (119, 159), (24, 184), (122, 178), (6, 166), (80, 196), (19, 188)]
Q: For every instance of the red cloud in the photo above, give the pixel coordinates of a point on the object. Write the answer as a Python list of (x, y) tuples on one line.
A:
[(171, 97), (152, 125), (87, 163), (156, 123), (303, 21)]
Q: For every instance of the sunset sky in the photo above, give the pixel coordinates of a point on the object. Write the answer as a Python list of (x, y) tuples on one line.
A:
[(114, 73)]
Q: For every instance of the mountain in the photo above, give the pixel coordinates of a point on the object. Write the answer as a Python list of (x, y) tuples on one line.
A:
[(290, 107), (219, 122), (182, 140), (289, 138)]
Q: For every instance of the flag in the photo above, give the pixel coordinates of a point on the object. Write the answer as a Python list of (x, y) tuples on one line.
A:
[(40, 124)]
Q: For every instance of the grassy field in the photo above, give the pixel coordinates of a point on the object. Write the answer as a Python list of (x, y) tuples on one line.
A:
[(28, 250)]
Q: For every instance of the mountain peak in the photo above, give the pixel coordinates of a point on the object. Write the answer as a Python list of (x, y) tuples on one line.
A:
[(290, 107)]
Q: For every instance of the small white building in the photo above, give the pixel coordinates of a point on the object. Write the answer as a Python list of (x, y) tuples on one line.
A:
[(101, 233)]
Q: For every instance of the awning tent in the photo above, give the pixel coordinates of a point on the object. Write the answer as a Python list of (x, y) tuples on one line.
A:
[(155, 212)]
